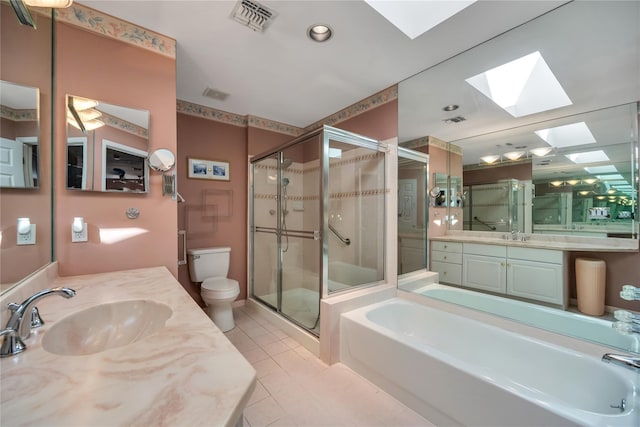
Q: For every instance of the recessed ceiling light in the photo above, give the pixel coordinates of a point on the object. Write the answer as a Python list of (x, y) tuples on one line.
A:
[(319, 33), (517, 86), (588, 157), (451, 107), (567, 135)]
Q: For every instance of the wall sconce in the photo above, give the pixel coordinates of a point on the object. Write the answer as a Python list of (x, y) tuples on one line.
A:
[(26, 232), (79, 230), (513, 156)]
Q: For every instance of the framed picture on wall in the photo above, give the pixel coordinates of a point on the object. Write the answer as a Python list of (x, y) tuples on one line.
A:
[(208, 169)]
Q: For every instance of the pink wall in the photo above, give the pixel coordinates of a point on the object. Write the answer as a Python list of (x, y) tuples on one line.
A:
[(25, 58), (135, 78), (520, 171), (379, 123)]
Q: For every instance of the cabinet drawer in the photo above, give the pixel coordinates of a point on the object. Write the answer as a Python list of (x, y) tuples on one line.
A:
[(486, 250), (447, 247), (446, 257), (448, 273), (540, 255)]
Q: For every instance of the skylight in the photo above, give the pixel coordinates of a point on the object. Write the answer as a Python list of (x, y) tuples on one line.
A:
[(522, 87), (414, 18), (588, 157), (601, 169), (567, 135), (610, 177)]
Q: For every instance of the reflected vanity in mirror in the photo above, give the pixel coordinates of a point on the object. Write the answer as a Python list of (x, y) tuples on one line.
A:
[(538, 181), (19, 162), (106, 146)]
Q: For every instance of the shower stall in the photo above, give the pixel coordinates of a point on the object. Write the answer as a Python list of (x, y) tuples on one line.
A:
[(317, 224)]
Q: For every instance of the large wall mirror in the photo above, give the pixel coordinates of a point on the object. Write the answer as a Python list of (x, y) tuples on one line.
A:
[(555, 153), (19, 134), (107, 146), (25, 153)]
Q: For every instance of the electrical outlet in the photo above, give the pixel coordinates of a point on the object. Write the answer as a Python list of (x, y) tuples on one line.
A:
[(27, 238), (80, 236)]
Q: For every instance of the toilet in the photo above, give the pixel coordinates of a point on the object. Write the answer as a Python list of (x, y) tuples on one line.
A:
[(210, 267)]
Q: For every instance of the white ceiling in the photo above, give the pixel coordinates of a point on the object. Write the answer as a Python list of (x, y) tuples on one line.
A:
[(282, 75)]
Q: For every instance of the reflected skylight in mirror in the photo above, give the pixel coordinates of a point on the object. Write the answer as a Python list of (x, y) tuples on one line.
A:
[(601, 169), (522, 87), (588, 157), (415, 18), (567, 135), (610, 177)]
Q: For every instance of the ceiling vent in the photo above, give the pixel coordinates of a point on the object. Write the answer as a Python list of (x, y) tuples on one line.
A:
[(215, 94), (253, 15), (457, 119)]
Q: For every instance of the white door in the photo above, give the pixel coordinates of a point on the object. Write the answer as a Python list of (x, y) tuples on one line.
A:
[(407, 204), (11, 163)]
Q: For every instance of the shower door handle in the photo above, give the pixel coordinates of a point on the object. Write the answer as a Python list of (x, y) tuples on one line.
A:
[(183, 233)]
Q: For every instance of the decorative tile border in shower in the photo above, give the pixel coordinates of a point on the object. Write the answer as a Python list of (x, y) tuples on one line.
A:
[(291, 169), (101, 23), (339, 195), (340, 163), (18, 115), (374, 101)]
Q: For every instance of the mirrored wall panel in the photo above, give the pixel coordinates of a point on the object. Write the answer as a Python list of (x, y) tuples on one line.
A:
[(19, 134), (107, 146)]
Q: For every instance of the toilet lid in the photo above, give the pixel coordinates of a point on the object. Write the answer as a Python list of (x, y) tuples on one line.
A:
[(220, 284)]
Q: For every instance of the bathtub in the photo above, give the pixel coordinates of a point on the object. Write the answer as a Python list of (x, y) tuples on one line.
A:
[(457, 371), (589, 328)]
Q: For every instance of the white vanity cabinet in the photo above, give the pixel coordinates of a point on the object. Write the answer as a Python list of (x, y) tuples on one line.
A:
[(537, 274), (484, 267), (446, 260)]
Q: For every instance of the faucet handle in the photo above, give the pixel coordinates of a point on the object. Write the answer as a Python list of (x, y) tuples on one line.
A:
[(11, 344), (36, 320)]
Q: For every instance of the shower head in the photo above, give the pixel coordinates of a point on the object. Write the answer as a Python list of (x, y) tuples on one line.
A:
[(286, 163), (285, 181)]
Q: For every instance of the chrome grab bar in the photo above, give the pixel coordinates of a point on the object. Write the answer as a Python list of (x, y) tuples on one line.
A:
[(475, 218), (344, 240), (183, 233), (304, 234)]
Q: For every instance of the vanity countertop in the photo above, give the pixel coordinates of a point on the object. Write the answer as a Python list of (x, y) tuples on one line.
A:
[(187, 373), (562, 243)]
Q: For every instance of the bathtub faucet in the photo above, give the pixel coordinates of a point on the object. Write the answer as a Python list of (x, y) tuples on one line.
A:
[(628, 362)]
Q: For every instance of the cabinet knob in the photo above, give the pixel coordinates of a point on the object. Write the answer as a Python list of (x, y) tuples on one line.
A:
[(445, 246), (445, 257), (502, 264), (508, 265)]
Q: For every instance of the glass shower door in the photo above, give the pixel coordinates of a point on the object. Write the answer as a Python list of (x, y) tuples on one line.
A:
[(300, 244), (264, 246)]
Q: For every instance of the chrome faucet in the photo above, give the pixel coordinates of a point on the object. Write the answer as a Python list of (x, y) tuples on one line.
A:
[(627, 362), (22, 317)]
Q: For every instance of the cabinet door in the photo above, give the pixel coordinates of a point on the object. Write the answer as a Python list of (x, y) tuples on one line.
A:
[(484, 272), (535, 280), (447, 272)]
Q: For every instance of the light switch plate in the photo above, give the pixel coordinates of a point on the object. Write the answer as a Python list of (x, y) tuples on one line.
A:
[(27, 238), (80, 236)]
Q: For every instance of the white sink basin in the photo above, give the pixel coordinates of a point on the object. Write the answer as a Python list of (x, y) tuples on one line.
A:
[(105, 326)]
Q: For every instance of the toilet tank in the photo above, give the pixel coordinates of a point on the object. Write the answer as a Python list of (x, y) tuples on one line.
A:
[(208, 262)]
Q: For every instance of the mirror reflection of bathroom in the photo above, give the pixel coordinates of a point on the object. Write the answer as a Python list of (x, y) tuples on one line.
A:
[(106, 146), (19, 132)]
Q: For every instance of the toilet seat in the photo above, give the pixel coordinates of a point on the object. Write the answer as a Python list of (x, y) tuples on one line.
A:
[(220, 288)]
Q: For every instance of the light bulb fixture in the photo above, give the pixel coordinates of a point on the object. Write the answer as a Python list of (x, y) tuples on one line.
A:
[(490, 159), (584, 193), (589, 180), (56, 4), (573, 181), (24, 225), (541, 152), (319, 33), (78, 224), (514, 155), (81, 104), (451, 107), (556, 183)]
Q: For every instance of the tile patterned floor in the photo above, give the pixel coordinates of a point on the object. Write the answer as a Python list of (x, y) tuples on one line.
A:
[(295, 388)]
